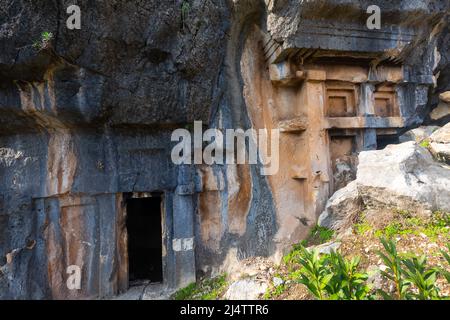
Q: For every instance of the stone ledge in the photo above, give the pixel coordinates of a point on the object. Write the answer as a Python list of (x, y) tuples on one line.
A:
[(363, 122)]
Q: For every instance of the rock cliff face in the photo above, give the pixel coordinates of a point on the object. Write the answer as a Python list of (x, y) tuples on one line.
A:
[(86, 123)]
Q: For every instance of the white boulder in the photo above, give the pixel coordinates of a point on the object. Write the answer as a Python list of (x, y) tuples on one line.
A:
[(403, 176), (246, 289)]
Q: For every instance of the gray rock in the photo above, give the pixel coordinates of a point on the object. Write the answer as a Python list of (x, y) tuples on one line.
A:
[(403, 173), (326, 248), (341, 207), (400, 176), (277, 281), (418, 134), (440, 144), (246, 289)]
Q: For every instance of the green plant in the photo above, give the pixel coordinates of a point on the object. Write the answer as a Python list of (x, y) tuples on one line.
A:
[(423, 278), (394, 269), (446, 257), (331, 276), (44, 42), (293, 255), (274, 292), (314, 273), (362, 228), (347, 282), (324, 234), (208, 289), (425, 143), (47, 36), (186, 292), (438, 225), (390, 230), (318, 235)]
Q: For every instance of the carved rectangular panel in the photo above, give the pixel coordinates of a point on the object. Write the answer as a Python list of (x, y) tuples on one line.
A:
[(385, 102), (341, 100)]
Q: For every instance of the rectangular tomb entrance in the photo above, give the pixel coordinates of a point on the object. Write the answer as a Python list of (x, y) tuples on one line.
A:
[(144, 228)]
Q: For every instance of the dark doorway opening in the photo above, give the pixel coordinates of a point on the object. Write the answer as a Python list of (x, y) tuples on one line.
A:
[(144, 239)]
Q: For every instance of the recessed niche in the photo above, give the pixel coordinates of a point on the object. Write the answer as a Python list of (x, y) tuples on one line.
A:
[(341, 100), (386, 102)]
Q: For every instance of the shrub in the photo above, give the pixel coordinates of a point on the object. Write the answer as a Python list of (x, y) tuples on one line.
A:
[(423, 278), (332, 276), (394, 271), (315, 274)]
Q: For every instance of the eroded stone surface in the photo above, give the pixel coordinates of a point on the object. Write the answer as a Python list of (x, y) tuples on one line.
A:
[(86, 123), (418, 134), (440, 144), (246, 289), (401, 176)]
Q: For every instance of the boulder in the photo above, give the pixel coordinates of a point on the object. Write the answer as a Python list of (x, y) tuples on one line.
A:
[(440, 112), (418, 134), (403, 176), (341, 207), (445, 96), (440, 144), (246, 289)]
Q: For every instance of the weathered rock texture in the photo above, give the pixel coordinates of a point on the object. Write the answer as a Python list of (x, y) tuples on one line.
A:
[(400, 177), (418, 134), (85, 125), (440, 144)]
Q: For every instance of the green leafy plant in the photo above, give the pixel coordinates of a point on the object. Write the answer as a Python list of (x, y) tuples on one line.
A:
[(274, 292), (186, 292), (390, 230), (318, 235), (324, 234), (314, 273), (446, 257), (47, 36), (362, 228), (331, 276), (347, 282), (44, 42), (423, 278), (394, 269)]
